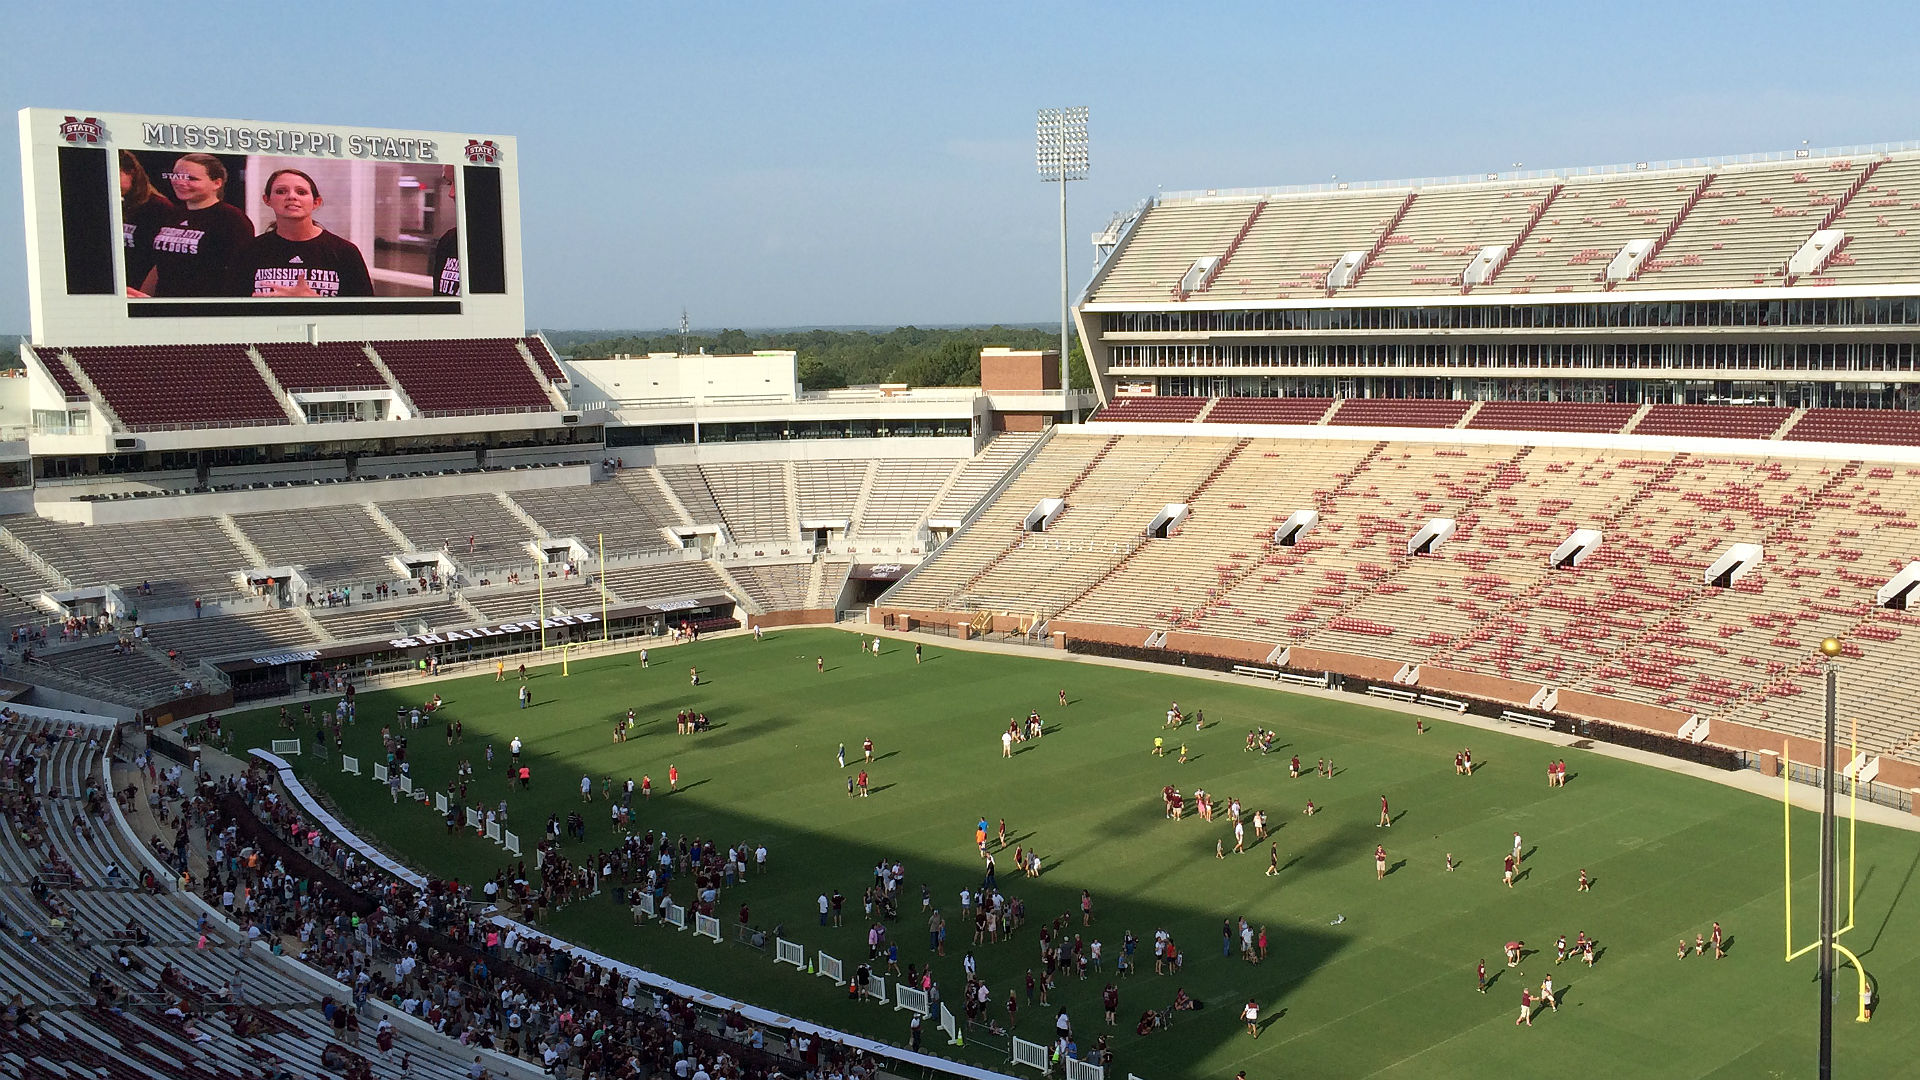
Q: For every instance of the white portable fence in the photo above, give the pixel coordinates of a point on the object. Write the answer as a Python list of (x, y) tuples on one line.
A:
[(830, 967), (473, 818), (674, 915), (510, 842), (493, 831), (1030, 1053), (440, 803), (406, 785), (287, 747), (643, 902), (877, 988), (1080, 1070), (911, 1000), (707, 926), (349, 764), (379, 773), (949, 1025), (787, 952)]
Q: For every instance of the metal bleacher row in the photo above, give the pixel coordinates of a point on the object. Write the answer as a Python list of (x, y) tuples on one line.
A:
[(491, 537), (76, 922), (1707, 226), (1634, 621)]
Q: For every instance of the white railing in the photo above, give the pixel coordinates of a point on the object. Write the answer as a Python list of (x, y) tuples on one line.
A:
[(1029, 1053), (788, 952), (911, 1000), (1554, 174), (829, 967), (349, 764)]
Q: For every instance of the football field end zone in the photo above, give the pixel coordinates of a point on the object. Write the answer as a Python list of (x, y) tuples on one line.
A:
[(1805, 797)]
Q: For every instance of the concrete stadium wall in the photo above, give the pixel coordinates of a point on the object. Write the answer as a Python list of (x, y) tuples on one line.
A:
[(1615, 711), (800, 617), (1475, 685)]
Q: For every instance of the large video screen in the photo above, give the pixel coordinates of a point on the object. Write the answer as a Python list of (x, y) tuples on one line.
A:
[(212, 219)]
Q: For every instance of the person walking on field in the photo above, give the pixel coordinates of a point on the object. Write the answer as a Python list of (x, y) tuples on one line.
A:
[(1379, 862), (1386, 820), (673, 778)]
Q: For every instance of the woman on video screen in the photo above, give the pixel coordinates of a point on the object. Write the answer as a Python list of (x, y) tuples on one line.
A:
[(194, 244), (142, 211), (295, 256)]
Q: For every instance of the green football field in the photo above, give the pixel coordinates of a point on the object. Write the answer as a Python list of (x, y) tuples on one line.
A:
[(1364, 977)]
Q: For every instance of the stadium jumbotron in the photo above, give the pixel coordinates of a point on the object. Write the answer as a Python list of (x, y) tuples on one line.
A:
[(1561, 475)]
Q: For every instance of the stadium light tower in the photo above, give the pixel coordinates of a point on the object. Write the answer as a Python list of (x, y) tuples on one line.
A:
[(1060, 151)]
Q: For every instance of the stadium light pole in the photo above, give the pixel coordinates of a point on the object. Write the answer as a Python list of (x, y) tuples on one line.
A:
[(1060, 152), (1830, 647)]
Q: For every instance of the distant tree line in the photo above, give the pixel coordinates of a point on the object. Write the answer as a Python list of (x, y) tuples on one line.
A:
[(834, 358)]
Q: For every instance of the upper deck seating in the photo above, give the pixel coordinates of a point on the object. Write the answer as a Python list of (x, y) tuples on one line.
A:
[(476, 375), (329, 365), (1552, 416), (1266, 410), (1153, 409), (1882, 427), (144, 387), (1713, 421), (1398, 412)]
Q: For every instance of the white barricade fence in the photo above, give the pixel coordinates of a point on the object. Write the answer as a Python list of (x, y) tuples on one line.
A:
[(473, 818), (877, 988), (440, 803), (912, 1000), (787, 952), (287, 747), (1080, 1070), (406, 785), (642, 900), (511, 842), (1030, 1053), (949, 1024), (379, 773), (707, 926), (675, 915), (493, 831), (830, 967), (350, 764)]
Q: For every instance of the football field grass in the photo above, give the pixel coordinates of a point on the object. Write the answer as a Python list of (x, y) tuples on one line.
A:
[(1364, 977)]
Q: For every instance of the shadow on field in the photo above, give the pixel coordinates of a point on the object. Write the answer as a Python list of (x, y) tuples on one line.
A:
[(819, 844), (1897, 894)]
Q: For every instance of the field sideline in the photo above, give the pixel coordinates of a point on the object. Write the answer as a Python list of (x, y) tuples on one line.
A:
[(1388, 991)]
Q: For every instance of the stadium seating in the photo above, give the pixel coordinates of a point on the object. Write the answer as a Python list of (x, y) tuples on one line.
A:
[(1551, 416), (478, 530), (1178, 410), (1163, 247), (622, 512), (177, 560), (777, 587), (829, 490), (1713, 421), (544, 359), (1295, 242), (330, 365), (1441, 233), (1583, 230), (142, 384), (1879, 427), (20, 583), (752, 496), (1745, 227), (248, 633), (1398, 412), (977, 475), (900, 496), (338, 545), (1882, 226), (357, 622), (451, 378), (1265, 410), (647, 582)]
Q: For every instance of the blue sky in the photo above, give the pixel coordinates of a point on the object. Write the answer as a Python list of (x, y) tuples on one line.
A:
[(872, 163)]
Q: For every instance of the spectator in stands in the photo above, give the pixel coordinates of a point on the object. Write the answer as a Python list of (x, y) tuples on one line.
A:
[(295, 256), (142, 209), (195, 243)]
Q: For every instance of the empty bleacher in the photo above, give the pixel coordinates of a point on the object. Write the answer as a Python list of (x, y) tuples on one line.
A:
[(1587, 225), (689, 486), (359, 621), (646, 582), (902, 494), (1552, 416), (977, 475), (20, 583), (1398, 412), (778, 587), (628, 523), (452, 378), (829, 490), (753, 498), (525, 600), (121, 675), (142, 384), (1165, 242), (478, 530), (338, 545), (178, 560), (1882, 226), (1746, 226), (1713, 421), (1297, 239), (1266, 410), (543, 357), (249, 633), (1441, 233)]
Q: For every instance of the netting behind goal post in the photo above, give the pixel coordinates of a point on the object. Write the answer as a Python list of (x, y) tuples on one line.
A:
[(1030, 1053)]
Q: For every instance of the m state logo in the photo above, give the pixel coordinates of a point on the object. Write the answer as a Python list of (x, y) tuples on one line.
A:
[(75, 130), (483, 153), (886, 569)]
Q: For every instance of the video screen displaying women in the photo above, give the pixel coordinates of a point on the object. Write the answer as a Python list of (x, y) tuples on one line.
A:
[(231, 226)]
